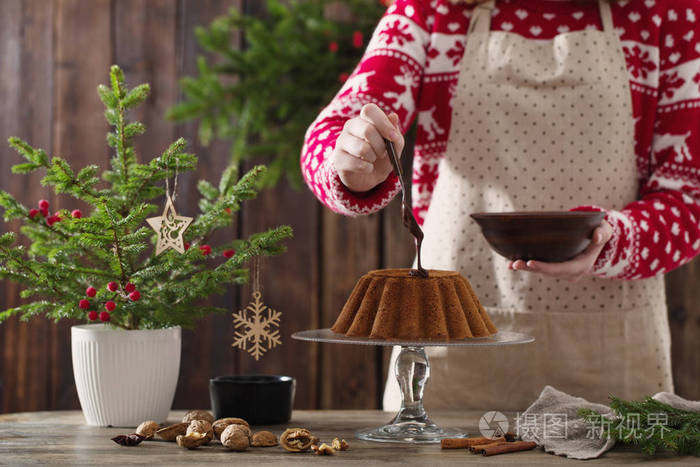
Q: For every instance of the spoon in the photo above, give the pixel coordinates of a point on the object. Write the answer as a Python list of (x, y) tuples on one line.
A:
[(409, 220)]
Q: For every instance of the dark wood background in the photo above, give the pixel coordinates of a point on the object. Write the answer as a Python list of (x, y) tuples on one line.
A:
[(53, 53)]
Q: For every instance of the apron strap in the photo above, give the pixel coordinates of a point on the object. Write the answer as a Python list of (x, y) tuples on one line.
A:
[(606, 16), (480, 20)]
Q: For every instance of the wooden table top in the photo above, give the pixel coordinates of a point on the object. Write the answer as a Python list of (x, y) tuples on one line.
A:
[(62, 438)]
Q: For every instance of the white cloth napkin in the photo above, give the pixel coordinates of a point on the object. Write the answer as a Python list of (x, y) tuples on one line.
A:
[(552, 422)]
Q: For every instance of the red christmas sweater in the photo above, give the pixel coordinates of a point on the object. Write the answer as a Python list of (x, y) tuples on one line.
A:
[(411, 66)]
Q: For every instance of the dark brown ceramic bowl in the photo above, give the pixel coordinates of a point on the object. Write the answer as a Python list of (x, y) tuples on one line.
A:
[(543, 236), (257, 399)]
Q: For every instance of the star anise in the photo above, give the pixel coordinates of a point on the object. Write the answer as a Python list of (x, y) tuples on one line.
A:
[(128, 440)]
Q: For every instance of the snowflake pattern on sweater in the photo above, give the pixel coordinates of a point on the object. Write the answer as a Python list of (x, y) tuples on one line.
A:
[(411, 67)]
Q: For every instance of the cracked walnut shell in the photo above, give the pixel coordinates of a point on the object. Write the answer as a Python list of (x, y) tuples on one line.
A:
[(236, 437), (191, 440), (198, 415), (202, 427), (264, 439), (147, 429), (221, 424), (170, 433), (296, 439)]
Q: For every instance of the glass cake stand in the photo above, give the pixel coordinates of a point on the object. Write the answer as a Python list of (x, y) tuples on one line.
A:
[(411, 424)]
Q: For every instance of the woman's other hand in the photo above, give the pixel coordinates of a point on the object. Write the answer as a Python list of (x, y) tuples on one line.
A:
[(360, 156), (574, 269)]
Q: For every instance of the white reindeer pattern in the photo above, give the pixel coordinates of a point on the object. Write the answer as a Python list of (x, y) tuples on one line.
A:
[(679, 144), (358, 83), (426, 121), (409, 80)]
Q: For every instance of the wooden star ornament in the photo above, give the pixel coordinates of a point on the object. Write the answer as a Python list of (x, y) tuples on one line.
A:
[(169, 227)]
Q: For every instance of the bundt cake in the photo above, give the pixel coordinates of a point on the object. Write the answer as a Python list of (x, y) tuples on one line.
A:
[(392, 304)]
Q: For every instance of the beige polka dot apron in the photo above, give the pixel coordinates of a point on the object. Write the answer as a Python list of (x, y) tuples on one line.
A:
[(541, 125)]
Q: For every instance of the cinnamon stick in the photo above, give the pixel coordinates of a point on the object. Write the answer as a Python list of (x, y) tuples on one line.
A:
[(506, 447), (461, 443), (480, 447)]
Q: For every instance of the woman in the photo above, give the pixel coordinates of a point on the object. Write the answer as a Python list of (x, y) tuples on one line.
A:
[(534, 105)]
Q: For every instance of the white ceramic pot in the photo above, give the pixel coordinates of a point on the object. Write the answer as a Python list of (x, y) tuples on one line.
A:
[(125, 377)]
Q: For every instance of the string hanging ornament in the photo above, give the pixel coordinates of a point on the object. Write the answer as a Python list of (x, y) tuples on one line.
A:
[(170, 226), (256, 326)]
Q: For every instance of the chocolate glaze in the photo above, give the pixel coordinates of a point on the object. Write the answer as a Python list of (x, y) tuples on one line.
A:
[(407, 216)]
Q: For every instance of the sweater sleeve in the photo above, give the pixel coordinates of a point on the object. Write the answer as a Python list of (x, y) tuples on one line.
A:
[(389, 75), (661, 231)]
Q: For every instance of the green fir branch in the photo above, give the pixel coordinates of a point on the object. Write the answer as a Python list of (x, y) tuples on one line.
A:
[(651, 425), (263, 97)]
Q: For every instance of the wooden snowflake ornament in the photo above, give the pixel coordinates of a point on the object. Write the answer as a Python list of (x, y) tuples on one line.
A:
[(255, 325), (169, 227)]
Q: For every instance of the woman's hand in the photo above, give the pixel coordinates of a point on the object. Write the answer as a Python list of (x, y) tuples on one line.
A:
[(574, 269), (360, 156)]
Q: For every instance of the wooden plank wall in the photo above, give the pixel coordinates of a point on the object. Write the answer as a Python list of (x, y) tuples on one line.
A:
[(52, 56)]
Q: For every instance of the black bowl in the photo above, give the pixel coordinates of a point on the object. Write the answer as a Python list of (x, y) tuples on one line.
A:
[(543, 236), (258, 399)]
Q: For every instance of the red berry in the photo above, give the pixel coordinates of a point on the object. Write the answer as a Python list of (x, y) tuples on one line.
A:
[(134, 296), (104, 316), (205, 249), (44, 212), (110, 306), (333, 46), (90, 291), (112, 286), (33, 212), (51, 220), (229, 253), (129, 287), (92, 315), (187, 246), (357, 39), (76, 214), (343, 77), (228, 210), (84, 304), (43, 204)]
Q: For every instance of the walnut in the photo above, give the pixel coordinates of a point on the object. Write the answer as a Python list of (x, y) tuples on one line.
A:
[(264, 439), (221, 424), (296, 440), (191, 440), (340, 444), (247, 431), (323, 450), (170, 433), (202, 427), (198, 415), (147, 429), (235, 437)]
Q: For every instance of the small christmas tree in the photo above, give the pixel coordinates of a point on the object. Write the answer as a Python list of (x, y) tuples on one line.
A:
[(100, 266), (262, 97)]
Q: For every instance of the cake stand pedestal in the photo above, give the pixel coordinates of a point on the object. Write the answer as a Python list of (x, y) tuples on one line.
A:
[(412, 370)]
